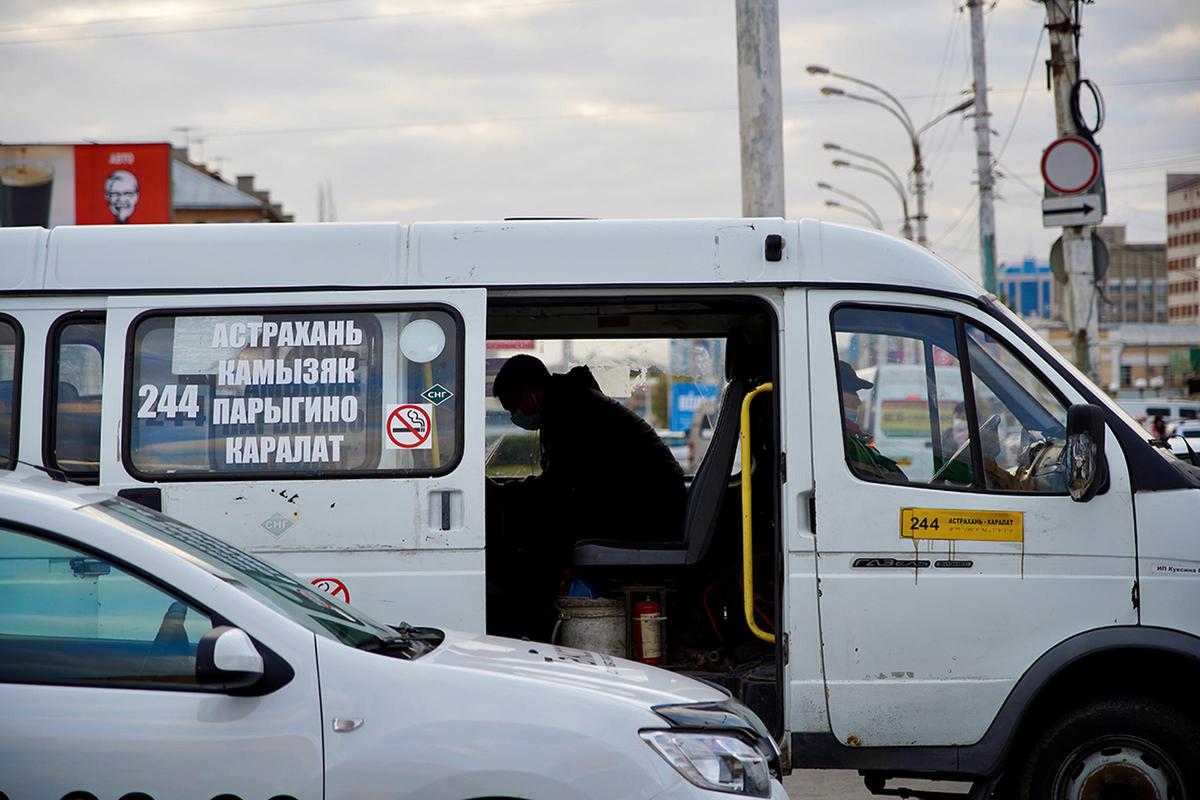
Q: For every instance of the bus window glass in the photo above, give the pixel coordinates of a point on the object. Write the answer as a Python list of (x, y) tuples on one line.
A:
[(8, 400), (77, 373), (902, 397), (296, 392), (1023, 424), (674, 384)]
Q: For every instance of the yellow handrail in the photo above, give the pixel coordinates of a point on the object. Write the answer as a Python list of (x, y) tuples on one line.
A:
[(427, 374), (747, 526)]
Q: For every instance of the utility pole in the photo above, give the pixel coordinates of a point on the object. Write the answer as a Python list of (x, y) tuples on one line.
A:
[(760, 107), (1077, 240), (983, 149)]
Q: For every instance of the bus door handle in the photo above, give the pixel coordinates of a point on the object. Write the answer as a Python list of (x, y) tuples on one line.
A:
[(445, 509)]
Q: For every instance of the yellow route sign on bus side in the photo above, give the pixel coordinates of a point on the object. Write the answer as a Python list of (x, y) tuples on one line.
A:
[(962, 525)]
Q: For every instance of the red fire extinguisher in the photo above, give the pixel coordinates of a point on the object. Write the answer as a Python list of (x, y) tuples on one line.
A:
[(647, 631)]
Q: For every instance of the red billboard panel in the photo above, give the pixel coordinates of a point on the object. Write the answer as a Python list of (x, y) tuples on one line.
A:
[(122, 184)]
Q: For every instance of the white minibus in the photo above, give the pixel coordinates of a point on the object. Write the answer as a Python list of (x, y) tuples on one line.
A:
[(1020, 608)]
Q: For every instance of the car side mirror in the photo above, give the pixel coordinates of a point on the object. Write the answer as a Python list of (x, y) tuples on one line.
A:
[(1084, 459), (226, 658)]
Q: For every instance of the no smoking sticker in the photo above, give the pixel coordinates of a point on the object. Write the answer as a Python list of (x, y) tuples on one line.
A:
[(409, 427)]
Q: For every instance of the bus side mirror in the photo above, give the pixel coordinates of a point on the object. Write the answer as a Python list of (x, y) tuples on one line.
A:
[(1084, 457), (226, 658)]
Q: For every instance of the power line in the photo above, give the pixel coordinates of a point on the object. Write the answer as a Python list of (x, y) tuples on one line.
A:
[(1007, 174), (454, 123), (1133, 166), (298, 22), (1024, 92), (182, 15), (963, 215), (937, 84), (624, 113)]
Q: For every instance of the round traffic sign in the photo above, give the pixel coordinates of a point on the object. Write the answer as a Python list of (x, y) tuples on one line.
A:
[(1070, 165)]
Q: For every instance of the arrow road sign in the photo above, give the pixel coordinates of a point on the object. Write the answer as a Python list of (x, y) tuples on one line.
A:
[(1082, 209)]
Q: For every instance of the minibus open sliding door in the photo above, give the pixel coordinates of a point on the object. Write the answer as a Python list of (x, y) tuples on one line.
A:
[(337, 435)]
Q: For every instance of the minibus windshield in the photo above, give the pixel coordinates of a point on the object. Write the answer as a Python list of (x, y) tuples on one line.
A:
[(273, 587)]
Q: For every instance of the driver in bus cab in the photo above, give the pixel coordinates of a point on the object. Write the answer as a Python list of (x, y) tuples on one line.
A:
[(864, 458)]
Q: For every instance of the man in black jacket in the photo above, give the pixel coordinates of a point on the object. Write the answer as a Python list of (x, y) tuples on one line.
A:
[(601, 463), (605, 473)]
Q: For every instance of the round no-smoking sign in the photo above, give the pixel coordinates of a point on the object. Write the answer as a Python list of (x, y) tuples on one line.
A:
[(409, 427)]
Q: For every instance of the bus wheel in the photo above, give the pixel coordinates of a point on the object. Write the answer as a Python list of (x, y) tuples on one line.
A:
[(1117, 748)]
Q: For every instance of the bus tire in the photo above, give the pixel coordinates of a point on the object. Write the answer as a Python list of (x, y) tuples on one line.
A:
[(1134, 746)]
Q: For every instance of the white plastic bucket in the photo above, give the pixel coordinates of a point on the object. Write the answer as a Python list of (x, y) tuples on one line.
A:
[(588, 624)]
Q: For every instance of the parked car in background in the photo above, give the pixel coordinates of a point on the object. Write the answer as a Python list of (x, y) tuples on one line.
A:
[(1183, 436), (677, 441)]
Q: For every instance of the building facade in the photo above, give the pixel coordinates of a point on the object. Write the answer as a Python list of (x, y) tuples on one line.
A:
[(1135, 286), (1025, 288), (1183, 247), (198, 195), (1133, 359), (1134, 290)]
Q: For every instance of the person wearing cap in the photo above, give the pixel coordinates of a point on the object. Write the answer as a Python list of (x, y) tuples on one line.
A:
[(864, 459)]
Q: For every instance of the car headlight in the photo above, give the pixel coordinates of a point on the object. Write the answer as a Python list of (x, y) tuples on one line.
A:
[(719, 761)]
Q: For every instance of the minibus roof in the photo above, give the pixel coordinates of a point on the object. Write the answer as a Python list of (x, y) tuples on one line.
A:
[(517, 253)]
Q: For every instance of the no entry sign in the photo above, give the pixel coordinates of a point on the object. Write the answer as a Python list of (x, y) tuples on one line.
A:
[(409, 427), (1070, 165)]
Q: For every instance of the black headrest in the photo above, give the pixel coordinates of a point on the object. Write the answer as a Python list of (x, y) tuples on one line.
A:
[(747, 353)]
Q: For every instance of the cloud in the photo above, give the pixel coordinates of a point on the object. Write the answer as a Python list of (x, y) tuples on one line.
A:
[(1177, 42)]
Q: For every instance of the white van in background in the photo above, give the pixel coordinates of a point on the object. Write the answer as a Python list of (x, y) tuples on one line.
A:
[(1171, 410), (899, 416)]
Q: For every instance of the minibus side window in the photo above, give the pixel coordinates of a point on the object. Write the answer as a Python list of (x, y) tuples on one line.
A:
[(76, 372), (680, 402), (1024, 441), (302, 392), (903, 411), (10, 355), (69, 617)]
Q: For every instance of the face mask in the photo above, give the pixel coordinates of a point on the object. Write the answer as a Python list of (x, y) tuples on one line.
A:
[(529, 422), (852, 415), (960, 426)]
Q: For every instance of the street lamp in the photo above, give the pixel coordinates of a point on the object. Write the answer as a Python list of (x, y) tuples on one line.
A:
[(853, 210), (888, 175), (897, 110), (869, 212)]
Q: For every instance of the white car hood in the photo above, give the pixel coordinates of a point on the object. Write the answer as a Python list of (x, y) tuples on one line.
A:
[(581, 669)]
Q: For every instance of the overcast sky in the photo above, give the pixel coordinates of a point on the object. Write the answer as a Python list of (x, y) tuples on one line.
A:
[(464, 109)]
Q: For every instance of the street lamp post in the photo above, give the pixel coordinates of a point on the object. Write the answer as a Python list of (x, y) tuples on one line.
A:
[(874, 222), (897, 110), (869, 212), (888, 175)]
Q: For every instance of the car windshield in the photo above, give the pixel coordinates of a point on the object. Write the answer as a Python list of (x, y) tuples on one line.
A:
[(275, 588)]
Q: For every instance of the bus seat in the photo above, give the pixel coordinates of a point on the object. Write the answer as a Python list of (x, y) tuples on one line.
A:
[(709, 486)]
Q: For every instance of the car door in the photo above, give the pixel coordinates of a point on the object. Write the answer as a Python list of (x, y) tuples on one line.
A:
[(338, 435), (943, 578), (100, 699)]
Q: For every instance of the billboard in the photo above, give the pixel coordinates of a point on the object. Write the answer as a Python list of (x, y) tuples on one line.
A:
[(685, 400), (85, 184)]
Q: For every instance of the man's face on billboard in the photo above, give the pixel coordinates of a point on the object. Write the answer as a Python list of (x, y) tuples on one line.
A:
[(121, 194)]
